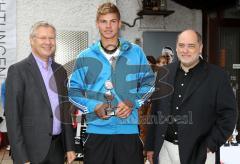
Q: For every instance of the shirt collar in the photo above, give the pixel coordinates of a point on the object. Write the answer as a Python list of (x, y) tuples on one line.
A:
[(42, 63), (196, 67)]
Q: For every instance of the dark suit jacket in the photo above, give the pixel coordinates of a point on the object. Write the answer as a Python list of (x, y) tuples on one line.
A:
[(28, 111), (208, 113)]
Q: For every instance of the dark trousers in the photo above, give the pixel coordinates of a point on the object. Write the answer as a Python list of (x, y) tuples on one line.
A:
[(113, 149), (56, 153)]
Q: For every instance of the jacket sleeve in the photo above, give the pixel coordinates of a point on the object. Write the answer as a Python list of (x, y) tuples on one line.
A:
[(68, 132), (145, 83), (150, 136), (68, 128), (77, 88), (13, 107), (226, 115)]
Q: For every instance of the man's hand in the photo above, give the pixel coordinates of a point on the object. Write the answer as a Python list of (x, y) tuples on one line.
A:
[(150, 156), (100, 111), (71, 155), (124, 109)]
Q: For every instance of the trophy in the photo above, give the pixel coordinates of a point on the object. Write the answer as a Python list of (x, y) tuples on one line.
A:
[(109, 111)]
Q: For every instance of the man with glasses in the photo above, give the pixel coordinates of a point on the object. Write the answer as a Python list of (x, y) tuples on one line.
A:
[(37, 106)]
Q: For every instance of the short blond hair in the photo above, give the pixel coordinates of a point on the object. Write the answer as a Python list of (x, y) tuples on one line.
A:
[(107, 8)]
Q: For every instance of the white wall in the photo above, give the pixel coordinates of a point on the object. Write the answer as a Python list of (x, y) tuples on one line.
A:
[(80, 15), (181, 19), (69, 15)]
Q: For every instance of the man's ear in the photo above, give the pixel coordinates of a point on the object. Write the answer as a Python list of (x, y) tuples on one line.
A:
[(120, 24), (201, 47), (97, 24), (31, 40)]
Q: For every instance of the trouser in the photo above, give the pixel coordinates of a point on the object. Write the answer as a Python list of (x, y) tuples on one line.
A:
[(169, 154), (56, 152), (113, 149)]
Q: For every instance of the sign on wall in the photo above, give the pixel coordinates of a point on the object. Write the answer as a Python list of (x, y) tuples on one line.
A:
[(7, 35), (236, 66)]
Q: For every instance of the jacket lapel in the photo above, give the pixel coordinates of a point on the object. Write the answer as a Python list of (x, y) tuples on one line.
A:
[(197, 79), (33, 67), (171, 77), (172, 73), (60, 76), (57, 76)]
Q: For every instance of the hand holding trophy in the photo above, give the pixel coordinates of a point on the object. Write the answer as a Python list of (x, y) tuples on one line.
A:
[(109, 111)]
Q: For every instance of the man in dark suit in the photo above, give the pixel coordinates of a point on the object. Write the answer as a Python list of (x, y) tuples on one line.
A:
[(198, 115), (37, 105)]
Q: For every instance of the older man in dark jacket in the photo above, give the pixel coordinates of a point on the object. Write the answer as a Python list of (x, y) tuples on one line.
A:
[(197, 117)]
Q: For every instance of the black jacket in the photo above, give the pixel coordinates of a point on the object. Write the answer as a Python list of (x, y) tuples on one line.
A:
[(208, 110), (28, 111)]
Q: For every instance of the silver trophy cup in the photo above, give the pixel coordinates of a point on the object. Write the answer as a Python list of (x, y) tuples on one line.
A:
[(109, 111)]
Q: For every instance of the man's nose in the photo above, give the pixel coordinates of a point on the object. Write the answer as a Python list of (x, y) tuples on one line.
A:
[(108, 24)]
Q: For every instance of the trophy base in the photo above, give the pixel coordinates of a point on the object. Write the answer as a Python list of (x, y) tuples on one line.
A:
[(110, 112)]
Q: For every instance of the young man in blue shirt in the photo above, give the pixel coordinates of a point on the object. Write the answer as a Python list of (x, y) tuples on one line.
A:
[(111, 80)]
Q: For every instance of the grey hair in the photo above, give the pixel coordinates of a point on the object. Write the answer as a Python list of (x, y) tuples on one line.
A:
[(40, 24)]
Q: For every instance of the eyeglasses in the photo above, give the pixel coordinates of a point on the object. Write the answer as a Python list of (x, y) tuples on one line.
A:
[(45, 38)]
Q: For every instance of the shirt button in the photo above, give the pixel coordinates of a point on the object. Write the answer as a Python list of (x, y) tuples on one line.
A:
[(175, 133), (177, 107), (179, 96), (182, 84), (163, 135), (185, 74)]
